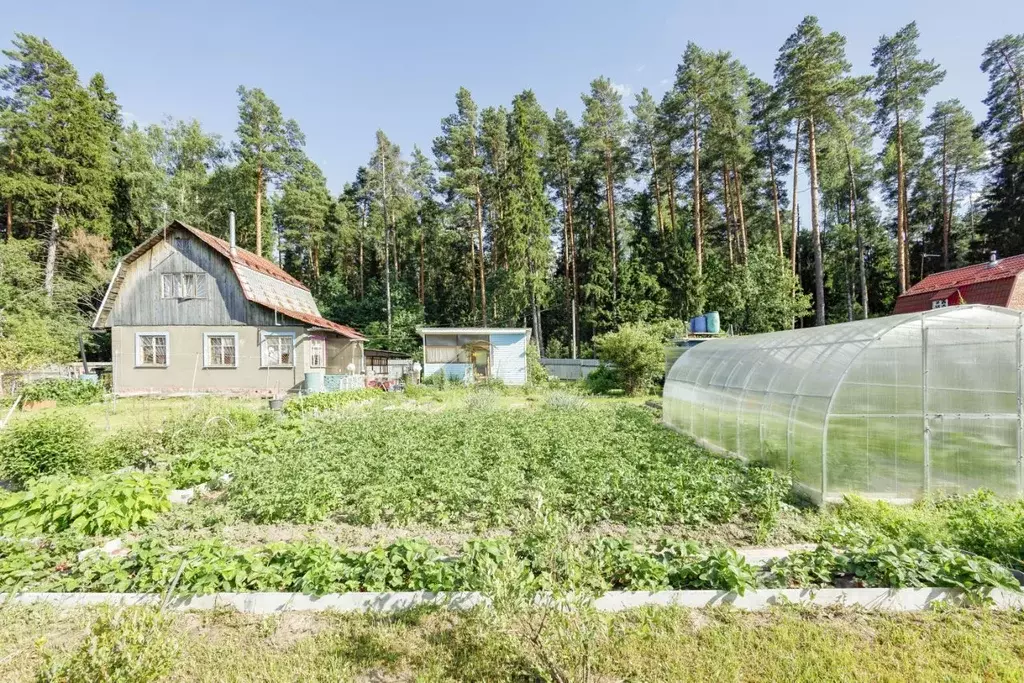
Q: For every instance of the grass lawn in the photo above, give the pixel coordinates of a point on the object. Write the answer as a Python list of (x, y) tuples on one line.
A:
[(785, 644)]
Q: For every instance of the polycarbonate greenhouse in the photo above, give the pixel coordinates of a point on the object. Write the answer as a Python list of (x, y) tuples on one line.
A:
[(890, 408)]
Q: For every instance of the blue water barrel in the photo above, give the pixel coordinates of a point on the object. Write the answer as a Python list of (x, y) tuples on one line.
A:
[(698, 325), (314, 382), (713, 323)]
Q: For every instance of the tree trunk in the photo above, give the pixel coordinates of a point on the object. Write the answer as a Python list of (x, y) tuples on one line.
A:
[(952, 202), (796, 178), (259, 210), (480, 237), (775, 204), (314, 257), (849, 297), (387, 273), (572, 258), (945, 206), (362, 270), (901, 211), (51, 252), (537, 332), (856, 228), (657, 190), (738, 190), (422, 278), (610, 198), (819, 272), (672, 201), (1018, 81), (728, 212), (697, 228), (472, 274)]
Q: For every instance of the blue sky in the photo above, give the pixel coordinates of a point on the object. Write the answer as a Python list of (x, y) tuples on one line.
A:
[(344, 69)]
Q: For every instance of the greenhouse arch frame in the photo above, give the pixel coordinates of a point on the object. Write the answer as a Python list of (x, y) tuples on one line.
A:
[(893, 408)]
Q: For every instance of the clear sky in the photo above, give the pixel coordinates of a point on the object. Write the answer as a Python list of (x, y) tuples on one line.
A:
[(345, 69)]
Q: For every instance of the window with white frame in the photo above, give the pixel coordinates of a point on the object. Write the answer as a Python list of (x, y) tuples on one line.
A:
[(277, 349), (183, 285), (317, 352), (940, 303), (151, 350), (221, 350)]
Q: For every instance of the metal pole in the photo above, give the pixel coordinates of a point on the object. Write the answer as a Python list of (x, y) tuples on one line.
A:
[(926, 432), (1020, 407)]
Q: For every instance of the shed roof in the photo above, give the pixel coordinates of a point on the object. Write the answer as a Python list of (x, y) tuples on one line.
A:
[(262, 281), (473, 330)]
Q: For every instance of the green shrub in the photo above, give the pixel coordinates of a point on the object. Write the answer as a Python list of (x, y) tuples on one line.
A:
[(536, 373), (319, 403), (604, 380), (51, 443), (132, 644), (66, 392), (637, 352), (102, 505)]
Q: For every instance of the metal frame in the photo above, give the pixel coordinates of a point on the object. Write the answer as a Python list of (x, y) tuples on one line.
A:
[(727, 392)]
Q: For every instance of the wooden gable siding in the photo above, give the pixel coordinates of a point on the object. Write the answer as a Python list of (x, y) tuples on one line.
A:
[(140, 300)]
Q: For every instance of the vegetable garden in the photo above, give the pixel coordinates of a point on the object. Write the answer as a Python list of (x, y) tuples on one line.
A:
[(449, 489)]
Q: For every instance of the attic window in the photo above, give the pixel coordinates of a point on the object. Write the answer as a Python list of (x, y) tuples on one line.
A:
[(183, 245), (940, 303), (183, 285)]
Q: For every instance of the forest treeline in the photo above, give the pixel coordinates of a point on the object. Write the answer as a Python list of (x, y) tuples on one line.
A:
[(638, 211)]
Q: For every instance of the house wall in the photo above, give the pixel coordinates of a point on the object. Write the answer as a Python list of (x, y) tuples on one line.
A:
[(508, 359), (341, 352), (460, 372), (140, 300), (185, 371)]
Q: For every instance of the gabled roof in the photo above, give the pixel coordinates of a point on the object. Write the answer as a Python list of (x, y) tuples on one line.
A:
[(969, 275), (262, 281)]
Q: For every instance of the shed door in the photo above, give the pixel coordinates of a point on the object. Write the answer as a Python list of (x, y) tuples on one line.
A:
[(481, 358)]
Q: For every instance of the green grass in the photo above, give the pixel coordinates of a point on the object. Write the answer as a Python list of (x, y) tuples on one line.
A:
[(784, 644)]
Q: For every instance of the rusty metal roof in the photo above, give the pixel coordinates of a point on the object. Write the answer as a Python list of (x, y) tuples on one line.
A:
[(262, 281)]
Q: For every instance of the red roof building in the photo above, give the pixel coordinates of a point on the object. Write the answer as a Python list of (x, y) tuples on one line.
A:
[(995, 283)]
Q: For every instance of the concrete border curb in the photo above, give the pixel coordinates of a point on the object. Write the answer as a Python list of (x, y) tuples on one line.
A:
[(877, 599)]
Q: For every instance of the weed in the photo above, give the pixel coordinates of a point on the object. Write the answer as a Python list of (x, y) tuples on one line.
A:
[(49, 444)]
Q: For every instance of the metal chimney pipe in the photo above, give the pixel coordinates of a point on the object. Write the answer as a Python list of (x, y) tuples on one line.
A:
[(993, 257), (231, 230)]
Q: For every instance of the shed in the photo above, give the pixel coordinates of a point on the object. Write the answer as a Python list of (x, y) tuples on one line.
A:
[(469, 354), (996, 282), (891, 408)]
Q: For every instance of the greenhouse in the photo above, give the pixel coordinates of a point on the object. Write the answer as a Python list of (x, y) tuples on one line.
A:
[(891, 408)]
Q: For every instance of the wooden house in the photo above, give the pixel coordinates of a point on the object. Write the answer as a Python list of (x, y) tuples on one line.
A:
[(190, 312), (995, 283)]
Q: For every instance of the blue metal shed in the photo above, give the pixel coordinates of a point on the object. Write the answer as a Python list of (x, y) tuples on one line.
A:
[(469, 354)]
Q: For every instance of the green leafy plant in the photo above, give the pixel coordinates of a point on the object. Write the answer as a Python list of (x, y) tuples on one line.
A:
[(94, 506), (637, 352), (123, 645), (326, 402), (66, 392), (47, 444)]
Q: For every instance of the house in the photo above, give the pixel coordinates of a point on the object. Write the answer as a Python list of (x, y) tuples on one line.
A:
[(190, 312), (469, 354), (996, 282)]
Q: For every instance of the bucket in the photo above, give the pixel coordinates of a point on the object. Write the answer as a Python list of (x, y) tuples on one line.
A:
[(698, 325), (276, 403), (314, 382), (713, 323)]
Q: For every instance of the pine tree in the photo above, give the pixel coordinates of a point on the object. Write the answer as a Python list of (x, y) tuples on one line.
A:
[(1002, 227), (1003, 62), (604, 133), (770, 131), (265, 148), (902, 81), (529, 211), (302, 213), (59, 141), (386, 179), (811, 71), (460, 160), (562, 167), (958, 153), (646, 145)]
